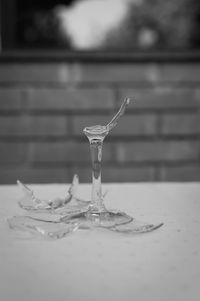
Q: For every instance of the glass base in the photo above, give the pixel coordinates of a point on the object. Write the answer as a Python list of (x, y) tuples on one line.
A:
[(105, 219), (114, 221)]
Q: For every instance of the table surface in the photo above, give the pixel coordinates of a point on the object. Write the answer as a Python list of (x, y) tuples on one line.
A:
[(103, 265)]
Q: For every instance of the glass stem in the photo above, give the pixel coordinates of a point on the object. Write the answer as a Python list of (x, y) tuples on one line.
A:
[(96, 156)]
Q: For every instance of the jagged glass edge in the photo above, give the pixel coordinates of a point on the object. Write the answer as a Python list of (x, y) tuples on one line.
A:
[(31, 227)]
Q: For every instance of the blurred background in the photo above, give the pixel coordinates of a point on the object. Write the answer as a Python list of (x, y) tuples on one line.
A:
[(65, 65), (101, 24)]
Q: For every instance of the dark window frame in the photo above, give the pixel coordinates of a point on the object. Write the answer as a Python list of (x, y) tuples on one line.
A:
[(19, 56), (11, 53), (7, 24)]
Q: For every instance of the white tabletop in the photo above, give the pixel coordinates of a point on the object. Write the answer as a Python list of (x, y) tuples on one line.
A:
[(91, 265)]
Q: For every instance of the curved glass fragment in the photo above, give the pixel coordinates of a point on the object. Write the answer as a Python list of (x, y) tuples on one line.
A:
[(32, 227), (30, 202)]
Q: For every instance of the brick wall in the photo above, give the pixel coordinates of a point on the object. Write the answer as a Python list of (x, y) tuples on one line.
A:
[(44, 106)]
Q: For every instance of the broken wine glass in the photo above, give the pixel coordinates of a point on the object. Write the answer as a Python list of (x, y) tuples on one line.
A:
[(59, 217)]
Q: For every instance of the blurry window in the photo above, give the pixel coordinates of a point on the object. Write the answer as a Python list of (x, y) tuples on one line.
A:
[(100, 24)]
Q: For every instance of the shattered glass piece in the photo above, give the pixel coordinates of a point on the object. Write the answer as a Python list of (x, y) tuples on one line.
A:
[(135, 227), (46, 216), (40, 228), (30, 202), (73, 207)]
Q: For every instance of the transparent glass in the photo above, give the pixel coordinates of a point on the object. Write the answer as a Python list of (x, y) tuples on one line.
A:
[(96, 214), (59, 217), (71, 203)]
